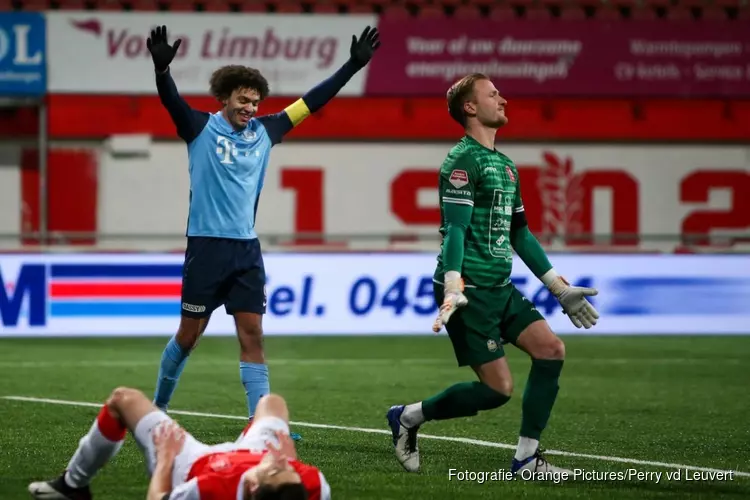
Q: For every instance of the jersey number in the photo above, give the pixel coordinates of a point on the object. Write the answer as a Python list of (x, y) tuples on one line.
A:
[(225, 149)]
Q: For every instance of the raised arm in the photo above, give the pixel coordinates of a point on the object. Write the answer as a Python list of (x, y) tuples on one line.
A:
[(361, 51), (188, 121)]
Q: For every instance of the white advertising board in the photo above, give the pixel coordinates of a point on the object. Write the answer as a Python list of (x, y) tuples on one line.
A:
[(356, 294), (93, 52)]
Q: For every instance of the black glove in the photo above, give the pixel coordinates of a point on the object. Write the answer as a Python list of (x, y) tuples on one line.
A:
[(363, 49), (161, 52)]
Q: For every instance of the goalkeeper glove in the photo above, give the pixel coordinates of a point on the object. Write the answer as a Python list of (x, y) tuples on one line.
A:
[(572, 299), (453, 299), (161, 52), (362, 49)]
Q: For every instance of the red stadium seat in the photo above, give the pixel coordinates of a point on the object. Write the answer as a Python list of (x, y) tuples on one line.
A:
[(382, 4), (644, 14), (145, 5), (36, 5), (714, 13), (466, 12), (573, 13), (325, 8), (180, 5), (431, 11), (538, 14), (679, 13), (108, 5), (608, 13), (396, 11), (288, 7), (727, 3), (72, 4), (216, 6), (502, 13), (360, 9), (252, 7)]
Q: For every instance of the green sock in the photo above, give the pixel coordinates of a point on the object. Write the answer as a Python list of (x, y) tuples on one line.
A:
[(539, 396), (462, 400)]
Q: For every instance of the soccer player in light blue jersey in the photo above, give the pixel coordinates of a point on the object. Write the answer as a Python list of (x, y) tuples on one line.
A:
[(228, 155)]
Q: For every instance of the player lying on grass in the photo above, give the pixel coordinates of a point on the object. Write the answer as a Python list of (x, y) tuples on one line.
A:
[(261, 464), (482, 221), (228, 153)]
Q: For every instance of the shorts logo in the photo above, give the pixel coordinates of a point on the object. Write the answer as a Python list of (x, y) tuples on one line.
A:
[(193, 308), (491, 345), (265, 296), (459, 178)]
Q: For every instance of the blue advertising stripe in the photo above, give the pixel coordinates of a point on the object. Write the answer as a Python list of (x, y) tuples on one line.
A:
[(94, 309), (686, 296), (116, 270), (23, 63)]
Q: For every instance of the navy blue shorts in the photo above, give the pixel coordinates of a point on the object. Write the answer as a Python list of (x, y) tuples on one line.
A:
[(221, 271)]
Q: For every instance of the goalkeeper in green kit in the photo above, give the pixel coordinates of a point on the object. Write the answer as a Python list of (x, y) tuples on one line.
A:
[(482, 222)]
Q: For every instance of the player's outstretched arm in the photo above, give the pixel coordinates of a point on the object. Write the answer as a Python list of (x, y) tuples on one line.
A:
[(188, 121), (571, 298), (360, 53)]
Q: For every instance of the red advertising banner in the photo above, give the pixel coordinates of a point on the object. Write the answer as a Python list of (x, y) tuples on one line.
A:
[(564, 58)]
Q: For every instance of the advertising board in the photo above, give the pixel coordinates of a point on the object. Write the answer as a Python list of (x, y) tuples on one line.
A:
[(105, 52), (23, 61), (363, 294), (571, 58)]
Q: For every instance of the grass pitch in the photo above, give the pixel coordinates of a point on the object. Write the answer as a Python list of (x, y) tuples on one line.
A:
[(679, 401)]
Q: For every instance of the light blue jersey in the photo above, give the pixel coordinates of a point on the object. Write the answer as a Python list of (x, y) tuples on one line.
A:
[(227, 170)]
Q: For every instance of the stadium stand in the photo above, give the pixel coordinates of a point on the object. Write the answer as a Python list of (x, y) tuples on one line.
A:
[(499, 10)]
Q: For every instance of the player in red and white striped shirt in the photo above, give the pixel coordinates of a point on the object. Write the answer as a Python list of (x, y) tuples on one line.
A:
[(261, 464)]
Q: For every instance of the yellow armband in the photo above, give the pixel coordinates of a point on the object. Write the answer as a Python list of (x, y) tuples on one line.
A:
[(297, 111)]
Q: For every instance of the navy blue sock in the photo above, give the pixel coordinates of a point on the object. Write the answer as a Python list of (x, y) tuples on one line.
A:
[(254, 377), (172, 362)]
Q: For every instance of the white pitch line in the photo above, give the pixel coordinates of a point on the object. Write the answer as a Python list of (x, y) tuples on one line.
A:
[(475, 442), (120, 363)]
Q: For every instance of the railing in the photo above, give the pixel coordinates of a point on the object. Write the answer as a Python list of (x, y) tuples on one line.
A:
[(406, 241)]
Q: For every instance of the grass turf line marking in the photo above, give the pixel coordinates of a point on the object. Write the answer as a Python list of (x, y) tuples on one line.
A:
[(476, 442), (119, 363)]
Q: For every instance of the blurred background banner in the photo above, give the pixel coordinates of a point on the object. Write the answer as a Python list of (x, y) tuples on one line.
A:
[(377, 195), (23, 62), (105, 53), (361, 294), (574, 58)]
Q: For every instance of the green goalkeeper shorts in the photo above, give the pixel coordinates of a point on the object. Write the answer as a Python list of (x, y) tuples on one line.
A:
[(492, 317)]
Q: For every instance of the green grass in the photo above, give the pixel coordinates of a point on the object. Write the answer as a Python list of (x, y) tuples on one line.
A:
[(680, 400)]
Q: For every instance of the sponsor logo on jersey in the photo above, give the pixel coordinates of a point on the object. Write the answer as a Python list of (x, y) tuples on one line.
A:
[(460, 192), (459, 178)]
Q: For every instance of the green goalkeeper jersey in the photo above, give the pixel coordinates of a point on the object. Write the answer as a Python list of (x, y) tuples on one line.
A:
[(486, 182)]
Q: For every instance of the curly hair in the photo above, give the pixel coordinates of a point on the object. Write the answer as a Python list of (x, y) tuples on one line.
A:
[(227, 79), (459, 93)]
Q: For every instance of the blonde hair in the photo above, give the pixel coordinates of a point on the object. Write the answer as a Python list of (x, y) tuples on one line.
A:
[(459, 93)]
